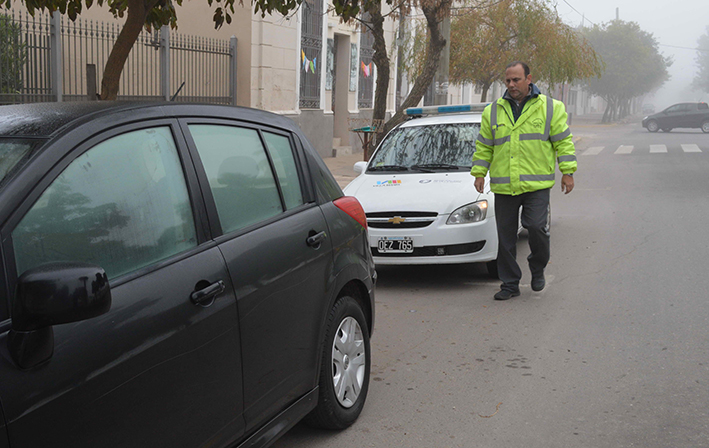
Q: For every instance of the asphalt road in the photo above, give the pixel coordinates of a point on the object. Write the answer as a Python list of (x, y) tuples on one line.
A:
[(613, 353)]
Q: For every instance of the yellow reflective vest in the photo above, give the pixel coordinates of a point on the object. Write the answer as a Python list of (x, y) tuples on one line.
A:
[(521, 155)]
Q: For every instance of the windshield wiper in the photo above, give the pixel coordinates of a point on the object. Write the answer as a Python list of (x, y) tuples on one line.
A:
[(388, 168), (436, 166)]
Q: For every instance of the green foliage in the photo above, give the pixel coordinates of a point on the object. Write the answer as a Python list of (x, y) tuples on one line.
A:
[(702, 80), (634, 64), (489, 35), (12, 55)]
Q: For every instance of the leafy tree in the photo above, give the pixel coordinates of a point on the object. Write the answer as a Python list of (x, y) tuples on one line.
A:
[(149, 14), (12, 55), (634, 65), (702, 80), (485, 38)]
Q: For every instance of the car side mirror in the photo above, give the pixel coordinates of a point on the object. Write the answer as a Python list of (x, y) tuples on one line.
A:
[(359, 167), (53, 294)]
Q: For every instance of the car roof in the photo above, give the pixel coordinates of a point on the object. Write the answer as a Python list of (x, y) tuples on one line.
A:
[(48, 119), (443, 119)]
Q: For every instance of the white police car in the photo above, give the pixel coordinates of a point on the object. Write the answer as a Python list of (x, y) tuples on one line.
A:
[(418, 194)]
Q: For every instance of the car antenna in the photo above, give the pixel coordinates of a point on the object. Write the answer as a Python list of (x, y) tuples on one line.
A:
[(178, 91)]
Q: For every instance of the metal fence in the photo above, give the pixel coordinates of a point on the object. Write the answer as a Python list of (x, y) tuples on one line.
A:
[(50, 58)]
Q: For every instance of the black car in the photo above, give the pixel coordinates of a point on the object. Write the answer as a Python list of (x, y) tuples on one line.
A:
[(682, 115), (175, 275)]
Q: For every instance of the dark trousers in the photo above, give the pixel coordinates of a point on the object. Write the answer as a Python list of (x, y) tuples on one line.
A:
[(534, 218)]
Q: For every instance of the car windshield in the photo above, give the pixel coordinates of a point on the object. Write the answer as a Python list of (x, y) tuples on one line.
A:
[(439, 147), (14, 152)]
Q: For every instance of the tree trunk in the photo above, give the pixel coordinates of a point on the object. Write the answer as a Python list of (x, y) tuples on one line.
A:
[(486, 88), (137, 13), (607, 112), (434, 14), (381, 60)]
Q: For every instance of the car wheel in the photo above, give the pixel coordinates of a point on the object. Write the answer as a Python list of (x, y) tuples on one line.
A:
[(344, 372), (666, 129), (492, 269), (652, 126), (705, 127)]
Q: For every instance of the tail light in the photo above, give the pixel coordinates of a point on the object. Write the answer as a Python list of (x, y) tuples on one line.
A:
[(351, 206)]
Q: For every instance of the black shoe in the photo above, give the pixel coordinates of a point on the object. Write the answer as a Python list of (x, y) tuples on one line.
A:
[(538, 283), (505, 294)]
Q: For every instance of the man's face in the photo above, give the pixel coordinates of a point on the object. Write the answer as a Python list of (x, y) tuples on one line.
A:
[(517, 84)]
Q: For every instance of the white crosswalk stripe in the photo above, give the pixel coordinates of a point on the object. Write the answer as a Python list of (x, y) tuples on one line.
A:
[(593, 151), (690, 148), (657, 148), (624, 149), (654, 149)]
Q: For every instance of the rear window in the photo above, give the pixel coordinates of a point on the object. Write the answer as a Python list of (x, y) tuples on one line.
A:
[(14, 153), (446, 144), (703, 106)]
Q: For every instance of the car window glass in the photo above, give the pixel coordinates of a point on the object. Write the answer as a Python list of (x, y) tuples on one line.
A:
[(121, 205), (14, 152), (239, 175), (281, 152), (451, 144), (703, 106), (674, 108)]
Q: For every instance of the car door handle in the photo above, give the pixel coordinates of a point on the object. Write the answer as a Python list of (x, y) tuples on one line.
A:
[(315, 240), (205, 295)]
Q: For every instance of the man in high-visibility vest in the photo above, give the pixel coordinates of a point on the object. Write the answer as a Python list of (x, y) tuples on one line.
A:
[(522, 137)]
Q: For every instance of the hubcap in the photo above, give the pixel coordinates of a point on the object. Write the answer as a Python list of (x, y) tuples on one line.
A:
[(348, 362)]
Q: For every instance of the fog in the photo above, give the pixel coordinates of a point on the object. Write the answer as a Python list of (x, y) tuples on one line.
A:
[(675, 25)]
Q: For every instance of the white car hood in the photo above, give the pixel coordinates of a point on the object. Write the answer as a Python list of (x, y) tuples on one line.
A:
[(425, 192)]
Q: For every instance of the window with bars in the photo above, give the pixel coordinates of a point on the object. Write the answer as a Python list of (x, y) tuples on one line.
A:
[(311, 53), (365, 96)]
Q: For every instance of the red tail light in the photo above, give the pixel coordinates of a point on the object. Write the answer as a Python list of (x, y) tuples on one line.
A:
[(351, 206)]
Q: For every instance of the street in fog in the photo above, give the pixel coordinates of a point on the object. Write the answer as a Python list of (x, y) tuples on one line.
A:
[(613, 353)]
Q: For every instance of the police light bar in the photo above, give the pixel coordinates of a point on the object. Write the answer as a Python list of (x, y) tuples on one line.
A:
[(435, 110)]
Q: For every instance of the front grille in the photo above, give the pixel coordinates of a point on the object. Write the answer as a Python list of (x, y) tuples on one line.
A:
[(411, 220), (436, 251), (403, 225), (402, 214)]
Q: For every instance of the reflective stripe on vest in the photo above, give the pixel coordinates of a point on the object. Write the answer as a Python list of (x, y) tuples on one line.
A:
[(481, 162), (523, 178)]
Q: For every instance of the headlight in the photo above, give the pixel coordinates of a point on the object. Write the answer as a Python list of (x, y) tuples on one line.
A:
[(474, 212)]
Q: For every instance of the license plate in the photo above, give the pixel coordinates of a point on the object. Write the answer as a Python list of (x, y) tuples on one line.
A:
[(395, 245)]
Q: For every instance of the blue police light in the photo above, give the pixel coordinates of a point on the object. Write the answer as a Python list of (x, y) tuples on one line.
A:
[(435, 110)]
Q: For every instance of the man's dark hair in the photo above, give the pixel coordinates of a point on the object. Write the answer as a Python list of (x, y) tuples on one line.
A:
[(524, 66)]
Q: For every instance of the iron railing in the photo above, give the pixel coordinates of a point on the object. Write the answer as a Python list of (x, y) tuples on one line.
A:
[(61, 60)]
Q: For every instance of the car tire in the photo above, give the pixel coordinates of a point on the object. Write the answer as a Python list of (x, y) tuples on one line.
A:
[(705, 127), (652, 126), (666, 129), (492, 269), (344, 368)]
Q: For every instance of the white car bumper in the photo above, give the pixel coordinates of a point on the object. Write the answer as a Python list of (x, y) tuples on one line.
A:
[(440, 243)]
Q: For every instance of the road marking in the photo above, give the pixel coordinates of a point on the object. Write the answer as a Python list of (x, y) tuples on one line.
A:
[(623, 149), (593, 151), (690, 148), (657, 148)]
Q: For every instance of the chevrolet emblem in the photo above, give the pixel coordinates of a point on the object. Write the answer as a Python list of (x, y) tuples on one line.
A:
[(397, 220)]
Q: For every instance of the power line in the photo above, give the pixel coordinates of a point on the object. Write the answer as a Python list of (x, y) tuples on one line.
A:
[(662, 45), (577, 12)]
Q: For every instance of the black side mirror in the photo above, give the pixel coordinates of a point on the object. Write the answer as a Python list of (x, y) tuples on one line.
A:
[(53, 294)]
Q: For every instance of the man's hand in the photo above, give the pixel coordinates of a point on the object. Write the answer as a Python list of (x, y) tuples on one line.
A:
[(480, 184), (567, 183)]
